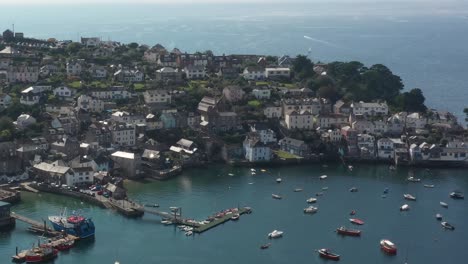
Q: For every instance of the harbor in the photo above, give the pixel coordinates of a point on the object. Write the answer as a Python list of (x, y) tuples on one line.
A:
[(203, 193)]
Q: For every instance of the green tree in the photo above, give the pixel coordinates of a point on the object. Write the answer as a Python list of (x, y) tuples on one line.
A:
[(466, 113), (412, 101), (303, 67), (73, 48)]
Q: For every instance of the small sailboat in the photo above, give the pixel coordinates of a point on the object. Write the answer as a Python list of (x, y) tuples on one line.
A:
[(323, 177), (429, 185), (311, 200), (324, 188), (166, 222), (404, 207), (252, 170), (410, 197), (263, 170), (279, 180), (438, 217), (276, 196), (353, 189), (443, 204), (231, 174), (298, 190)]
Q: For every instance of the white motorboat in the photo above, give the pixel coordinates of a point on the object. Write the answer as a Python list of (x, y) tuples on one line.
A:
[(323, 177), (310, 210), (275, 234), (353, 189), (350, 168), (438, 217), (324, 188), (444, 204), (311, 200), (279, 180), (276, 196), (231, 174), (252, 170), (166, 222), (409, 197), (298, 190), (429, 185), (447, 226), (413, 179), (404, 207), (189, 233), (253, 173)]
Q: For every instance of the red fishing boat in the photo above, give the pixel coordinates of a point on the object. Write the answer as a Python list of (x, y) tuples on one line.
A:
[(388, 247), (40, 254), (325, 253), (348, 232), (356, 221), (65, 245)]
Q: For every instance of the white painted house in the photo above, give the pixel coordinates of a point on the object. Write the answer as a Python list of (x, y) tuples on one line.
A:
[(123, 134), (90, 104), (369, 109), (265, 134), (254, 73), (273, 111), (157, 97), (64, 92), (195, 72), (272, 73), (366, 144), (299, 120), (261, 94), (255, 150)]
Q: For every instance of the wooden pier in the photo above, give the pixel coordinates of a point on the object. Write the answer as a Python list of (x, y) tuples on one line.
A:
[(217, 221), (54, 242), (36, 226)]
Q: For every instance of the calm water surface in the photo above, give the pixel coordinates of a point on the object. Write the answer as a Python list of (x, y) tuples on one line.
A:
[(202, 192)]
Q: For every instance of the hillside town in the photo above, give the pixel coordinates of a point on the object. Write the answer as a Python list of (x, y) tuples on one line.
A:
[(73, 113)]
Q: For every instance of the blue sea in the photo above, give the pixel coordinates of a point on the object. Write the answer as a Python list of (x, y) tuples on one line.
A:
[(424, 42)]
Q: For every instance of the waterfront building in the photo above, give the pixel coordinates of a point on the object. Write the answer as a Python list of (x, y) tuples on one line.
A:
[(6, 221), (386, 147), (294, 146), (126, 162), (350, 135), (332, 135), (255, 150), (56, 172), (366, 145), (454, 152)]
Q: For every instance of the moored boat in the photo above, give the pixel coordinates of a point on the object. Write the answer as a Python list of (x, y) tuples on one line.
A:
[(448, 226), (311, 200), (65, 245), (404, 207), (429, 185), (413, 179), (443, 204), (323, 177), (319, 194), (310, 210), (298, 190), (438, 217), (350, 167), (348, 232), (189, 233), (353, 189), (40, 254), (276, 196), (265, 246), (386, 190), (388, 247), (327, 254), (356, 221), (275, 234), (279, 180), (235, 217), (410, 197), (324, 188), (75, 225), (457, 195)]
